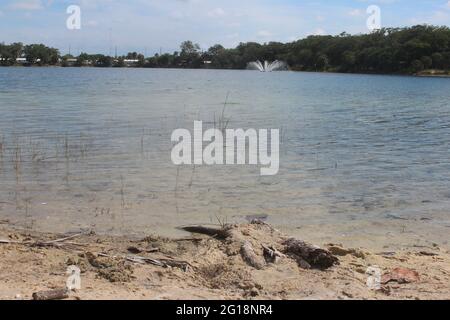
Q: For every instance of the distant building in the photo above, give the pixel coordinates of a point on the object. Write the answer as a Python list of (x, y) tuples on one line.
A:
[(23, 60), (130, 62), (70, 62)]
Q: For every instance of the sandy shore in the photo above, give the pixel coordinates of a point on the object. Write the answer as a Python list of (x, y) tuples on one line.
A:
[(204, 267)]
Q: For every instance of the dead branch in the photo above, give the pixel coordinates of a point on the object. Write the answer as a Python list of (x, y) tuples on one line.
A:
[(58, 294), (136, 250), (309, 255), (65, 238), (189, 240), (250, 257), (271, 254), (4, 241), (221, 234), (164, 263)]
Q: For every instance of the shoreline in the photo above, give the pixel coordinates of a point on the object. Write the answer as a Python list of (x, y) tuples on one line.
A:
[(422, 74), (202, 267)]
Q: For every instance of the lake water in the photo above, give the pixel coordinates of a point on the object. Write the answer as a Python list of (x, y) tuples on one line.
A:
[(362, 156)]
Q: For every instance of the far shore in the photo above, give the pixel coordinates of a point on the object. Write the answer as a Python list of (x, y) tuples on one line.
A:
[(423, 74)]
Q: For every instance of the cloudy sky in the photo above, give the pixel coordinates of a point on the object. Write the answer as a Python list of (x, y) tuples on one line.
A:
[(153, 25)]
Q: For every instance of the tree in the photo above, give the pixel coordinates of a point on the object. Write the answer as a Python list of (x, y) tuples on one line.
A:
[(438, 60), (190, 54), (104, 61), (141, 60), (322, 62), (10, 53), (427, 62), (39, 53), (120, 62), (349, 60), (132, 56), (216, 50), (188, 49), (417, 66)]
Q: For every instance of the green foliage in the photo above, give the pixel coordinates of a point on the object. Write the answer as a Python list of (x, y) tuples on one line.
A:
[(103, 61), (9, 53), (120, 63), (417, 66), (41, 54)]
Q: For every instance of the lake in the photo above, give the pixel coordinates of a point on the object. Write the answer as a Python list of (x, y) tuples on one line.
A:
[(364, 159)]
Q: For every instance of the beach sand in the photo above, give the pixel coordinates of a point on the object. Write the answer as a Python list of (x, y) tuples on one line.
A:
[(204, 267)]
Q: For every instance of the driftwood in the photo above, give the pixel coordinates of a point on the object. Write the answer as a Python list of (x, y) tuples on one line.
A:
[(58, 242), (57, 294), (189, 240), (249, 256), (309, 256), (136, 250), (164, 263), (5, 241), (306, 255), (271, 254), (53, 243), (222, 233), (140, 260)]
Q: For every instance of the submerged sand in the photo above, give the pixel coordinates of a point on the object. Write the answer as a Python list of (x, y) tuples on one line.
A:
[(204, 267)]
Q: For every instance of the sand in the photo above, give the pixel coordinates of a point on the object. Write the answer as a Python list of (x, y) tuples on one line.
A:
[(207, 268)]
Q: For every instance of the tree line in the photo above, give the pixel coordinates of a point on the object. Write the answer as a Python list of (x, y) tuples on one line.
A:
[(388, 50)]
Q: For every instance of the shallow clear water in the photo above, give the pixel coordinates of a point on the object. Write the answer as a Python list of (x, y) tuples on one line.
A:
[(90, 148)]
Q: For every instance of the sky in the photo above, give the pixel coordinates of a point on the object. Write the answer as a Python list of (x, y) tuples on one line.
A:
[(153, 26)]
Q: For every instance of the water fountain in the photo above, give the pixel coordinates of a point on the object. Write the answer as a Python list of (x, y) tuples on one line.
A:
[(266, 66)]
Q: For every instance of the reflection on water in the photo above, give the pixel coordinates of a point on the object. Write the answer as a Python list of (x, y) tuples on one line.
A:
[(90, 148)]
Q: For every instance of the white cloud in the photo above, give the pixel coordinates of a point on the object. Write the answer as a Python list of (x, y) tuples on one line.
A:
[(265, 34), (355, 13), (319, 32), (217, 12), (27, 5)]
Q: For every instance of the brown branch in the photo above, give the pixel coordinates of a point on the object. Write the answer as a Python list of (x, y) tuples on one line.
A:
[(222, 233), (309, 255)]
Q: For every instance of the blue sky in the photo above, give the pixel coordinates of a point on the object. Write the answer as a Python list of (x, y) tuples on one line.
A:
[(151, 25)]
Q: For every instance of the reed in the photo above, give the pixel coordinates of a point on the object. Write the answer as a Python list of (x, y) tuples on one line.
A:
[(2, 145), (176, 191), (83, 145), (142, 141), (17, 159), (66, 146), (122, 191), (222, 121)]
